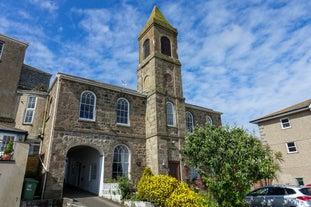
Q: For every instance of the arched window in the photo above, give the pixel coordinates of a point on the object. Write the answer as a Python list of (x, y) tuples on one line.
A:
[(189, 122), (209, 120), (121, 160), (146, 47), (165, 46), (123, 115), (87, 105), (170, 114)]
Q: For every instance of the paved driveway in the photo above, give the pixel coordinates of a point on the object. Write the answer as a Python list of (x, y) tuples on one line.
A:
[(78, 198)]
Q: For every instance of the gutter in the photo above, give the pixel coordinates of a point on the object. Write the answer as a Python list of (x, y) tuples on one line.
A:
[(256, 121)]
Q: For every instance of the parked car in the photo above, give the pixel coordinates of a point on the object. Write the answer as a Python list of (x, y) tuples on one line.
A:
[(279, 196)]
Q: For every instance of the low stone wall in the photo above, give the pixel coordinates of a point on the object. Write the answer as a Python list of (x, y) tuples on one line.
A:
[(138, 204), (111, 192)]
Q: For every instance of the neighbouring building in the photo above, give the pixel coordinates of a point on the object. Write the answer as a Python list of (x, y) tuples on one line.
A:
[(95, 132), (23, 94), (289, 131)]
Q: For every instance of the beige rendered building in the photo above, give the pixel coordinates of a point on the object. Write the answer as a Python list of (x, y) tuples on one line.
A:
[(23, 94), (289, 132)]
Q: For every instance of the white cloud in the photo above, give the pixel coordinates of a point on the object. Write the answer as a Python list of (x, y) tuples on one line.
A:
[(244, 58), (48, 5)]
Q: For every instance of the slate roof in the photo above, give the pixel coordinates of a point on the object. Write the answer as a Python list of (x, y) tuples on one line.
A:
[(6, 128), (304, 105)]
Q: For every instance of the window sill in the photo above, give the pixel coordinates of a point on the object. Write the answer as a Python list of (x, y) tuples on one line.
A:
[(125, 125), (7, 161), (86, 120)]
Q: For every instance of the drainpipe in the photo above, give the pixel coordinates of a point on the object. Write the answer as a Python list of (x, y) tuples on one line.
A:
[(46, 168)]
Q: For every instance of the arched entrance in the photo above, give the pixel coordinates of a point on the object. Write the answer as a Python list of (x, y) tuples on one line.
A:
[(84, 168)]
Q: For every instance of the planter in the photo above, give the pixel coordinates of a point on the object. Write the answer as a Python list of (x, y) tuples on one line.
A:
[(6, 157)]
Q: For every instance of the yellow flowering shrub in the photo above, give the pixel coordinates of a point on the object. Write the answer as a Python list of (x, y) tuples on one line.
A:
[(160, 188), (167, 191), (183, 196), (144, 181)]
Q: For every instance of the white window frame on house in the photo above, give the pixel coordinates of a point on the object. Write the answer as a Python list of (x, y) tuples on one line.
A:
[(285, 124), (4, 141), (300, 182), (291, 147), (189, 122), (121, 161), (30, 110), (170, 114), (209, 120), (123, 112), (34, 147), (1, 49), (87, 110)]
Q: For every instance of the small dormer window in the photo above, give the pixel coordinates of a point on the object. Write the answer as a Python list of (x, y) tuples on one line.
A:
[(165, 46), (285, 123), (146, 48), (1, 49)]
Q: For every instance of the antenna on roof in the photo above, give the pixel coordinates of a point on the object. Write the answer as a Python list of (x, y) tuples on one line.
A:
[(123, 83)]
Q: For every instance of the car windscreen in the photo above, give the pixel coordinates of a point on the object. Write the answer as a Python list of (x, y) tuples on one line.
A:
[(306, 191)]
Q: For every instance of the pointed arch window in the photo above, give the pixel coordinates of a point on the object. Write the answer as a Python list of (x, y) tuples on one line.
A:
[(123, 115), (146, 48), (209, 120), (170, 114), (165, 46), (189, 122), (121, 160), (87, 105)]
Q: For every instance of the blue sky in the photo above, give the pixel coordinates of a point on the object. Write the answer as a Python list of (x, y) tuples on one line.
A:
[(243, 58)]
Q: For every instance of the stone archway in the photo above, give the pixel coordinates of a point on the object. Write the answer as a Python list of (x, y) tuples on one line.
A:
[(83, 168)]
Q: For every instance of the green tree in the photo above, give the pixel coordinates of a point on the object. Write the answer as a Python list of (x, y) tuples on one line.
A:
[(229, 160)]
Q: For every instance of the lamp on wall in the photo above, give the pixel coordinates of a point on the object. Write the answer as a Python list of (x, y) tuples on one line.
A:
[(163, 163)]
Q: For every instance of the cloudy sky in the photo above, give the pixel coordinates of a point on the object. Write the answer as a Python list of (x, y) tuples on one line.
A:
[(243, 58)]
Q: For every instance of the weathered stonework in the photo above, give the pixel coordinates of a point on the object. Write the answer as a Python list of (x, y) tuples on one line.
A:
[(148, 137)]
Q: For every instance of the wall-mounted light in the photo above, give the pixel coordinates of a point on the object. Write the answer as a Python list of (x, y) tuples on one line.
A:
[(163, 163)]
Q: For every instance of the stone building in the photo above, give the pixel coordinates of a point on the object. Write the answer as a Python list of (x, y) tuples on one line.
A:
[(94, 131), (289, 131)]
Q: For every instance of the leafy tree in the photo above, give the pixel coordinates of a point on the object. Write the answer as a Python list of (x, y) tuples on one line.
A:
[(229, 160)]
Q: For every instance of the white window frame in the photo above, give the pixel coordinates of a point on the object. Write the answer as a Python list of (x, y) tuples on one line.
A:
[(4, 140), (34, 147), (291, 147), (300, 181), (1, 49), (170, 114), (30, 109), (209, 120), (189, 122), (122, 154), (88, 104), (123, 114), (283, 124)]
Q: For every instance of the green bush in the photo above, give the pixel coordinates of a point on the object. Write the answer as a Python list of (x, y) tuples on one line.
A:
[(126, 187)]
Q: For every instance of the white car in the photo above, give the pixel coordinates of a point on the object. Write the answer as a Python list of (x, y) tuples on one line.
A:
[(279, 196)]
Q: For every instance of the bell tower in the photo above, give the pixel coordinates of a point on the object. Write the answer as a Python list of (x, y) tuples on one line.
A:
[(159, 77)]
